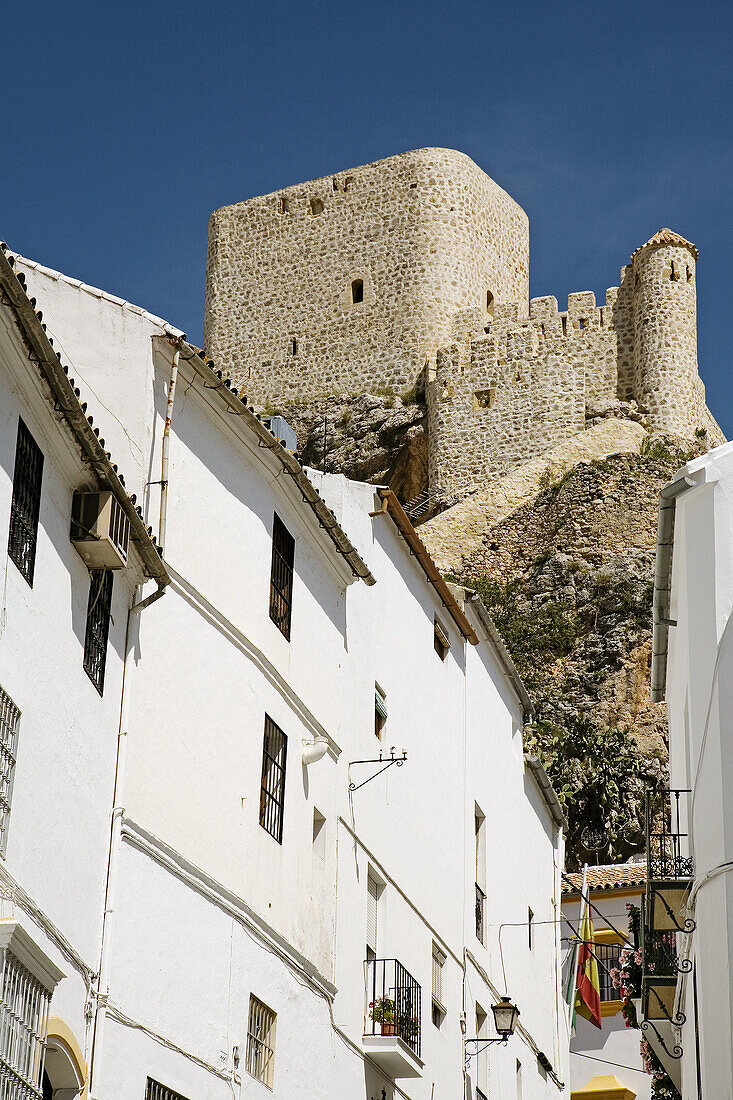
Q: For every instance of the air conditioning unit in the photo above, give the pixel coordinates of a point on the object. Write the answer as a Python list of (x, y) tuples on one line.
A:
[(100, 530)]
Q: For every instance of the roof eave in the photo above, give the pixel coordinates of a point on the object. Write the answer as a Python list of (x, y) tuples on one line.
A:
[(41, 353)]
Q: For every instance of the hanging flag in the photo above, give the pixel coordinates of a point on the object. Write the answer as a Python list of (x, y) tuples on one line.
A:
[(570, 990), (588, 989)]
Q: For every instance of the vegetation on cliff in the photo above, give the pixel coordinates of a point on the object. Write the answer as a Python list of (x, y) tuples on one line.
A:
[(568, 580)]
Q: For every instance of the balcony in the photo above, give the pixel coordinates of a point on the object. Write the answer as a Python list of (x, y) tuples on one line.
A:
[(670, 869), (393, 1021), (659, 970), (480, 905)]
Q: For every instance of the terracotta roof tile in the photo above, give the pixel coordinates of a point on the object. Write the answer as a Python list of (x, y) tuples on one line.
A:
[(614, 876), (662, 237)]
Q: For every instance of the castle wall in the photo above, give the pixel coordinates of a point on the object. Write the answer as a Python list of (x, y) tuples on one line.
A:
[(427, 232), (520, 388)]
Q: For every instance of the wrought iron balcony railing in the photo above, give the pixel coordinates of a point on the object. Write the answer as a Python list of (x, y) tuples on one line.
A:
[(394, 1002), (667, 845), (480, 905), (670, 867)]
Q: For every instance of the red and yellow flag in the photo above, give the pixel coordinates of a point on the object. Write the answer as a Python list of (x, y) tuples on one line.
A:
[(587, 986)]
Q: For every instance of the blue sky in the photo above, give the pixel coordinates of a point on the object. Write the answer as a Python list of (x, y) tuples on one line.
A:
[(125, 125)]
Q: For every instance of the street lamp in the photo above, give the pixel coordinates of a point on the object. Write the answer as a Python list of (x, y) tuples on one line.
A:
[(505, 1014)]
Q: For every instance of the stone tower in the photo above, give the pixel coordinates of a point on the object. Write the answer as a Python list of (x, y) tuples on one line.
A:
[(351, 282), (666, 381)]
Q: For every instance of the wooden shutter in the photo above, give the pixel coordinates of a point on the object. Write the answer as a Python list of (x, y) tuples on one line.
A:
[(372, 905)]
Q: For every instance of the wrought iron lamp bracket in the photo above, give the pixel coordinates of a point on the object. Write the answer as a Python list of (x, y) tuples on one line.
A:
[(676, 1021), (689, 925), (386, 761), (469, 1054), (676, 1051)]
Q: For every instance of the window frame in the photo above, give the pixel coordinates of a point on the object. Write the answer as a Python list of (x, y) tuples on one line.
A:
[(282, 574), (154, 1090), (25, 507), (259, 1011), (9, 732), (272, 783), (96, 632)]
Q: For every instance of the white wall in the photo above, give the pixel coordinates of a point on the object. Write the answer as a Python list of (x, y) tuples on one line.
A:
[(699, 702), (208, 907), (62, 795)]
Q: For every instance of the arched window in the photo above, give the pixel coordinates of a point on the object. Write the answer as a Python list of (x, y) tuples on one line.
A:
[(316, 206), (489, 303), (357, 291)]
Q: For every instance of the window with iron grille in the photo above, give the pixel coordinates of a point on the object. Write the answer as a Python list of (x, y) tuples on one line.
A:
[(23, 1020), (281, 576), (98, 615), (607, 955), (9, 719), (155, 1091), (26, 504), (261, 1042), (272, 791)]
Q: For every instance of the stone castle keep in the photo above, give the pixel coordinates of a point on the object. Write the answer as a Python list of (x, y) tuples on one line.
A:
[(418, 266)]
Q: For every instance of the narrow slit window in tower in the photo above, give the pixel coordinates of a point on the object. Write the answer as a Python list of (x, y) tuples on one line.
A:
[(689, 273), (581, 324), (489, 303), (284, 205), (674, 273), (357, 291), (293, 346), (564, 326)]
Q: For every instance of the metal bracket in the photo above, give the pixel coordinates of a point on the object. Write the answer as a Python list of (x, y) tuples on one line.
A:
[(689, 926), (386, 761), (676, 1051), (468, 1055), (676, 1021)]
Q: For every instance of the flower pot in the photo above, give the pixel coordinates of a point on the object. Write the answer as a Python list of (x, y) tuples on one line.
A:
[(388, 1029)]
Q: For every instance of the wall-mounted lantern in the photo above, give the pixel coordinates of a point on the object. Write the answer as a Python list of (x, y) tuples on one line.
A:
[(505, 1014)]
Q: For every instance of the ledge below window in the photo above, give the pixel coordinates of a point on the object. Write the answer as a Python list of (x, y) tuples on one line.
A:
[(393, 1055)]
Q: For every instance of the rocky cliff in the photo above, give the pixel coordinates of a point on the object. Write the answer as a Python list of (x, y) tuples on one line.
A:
[(568, 577)]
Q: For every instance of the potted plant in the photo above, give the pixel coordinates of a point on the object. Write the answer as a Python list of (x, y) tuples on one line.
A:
[(382, 1012)]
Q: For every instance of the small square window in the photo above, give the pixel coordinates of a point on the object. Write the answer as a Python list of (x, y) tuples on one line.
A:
[(441, 639), (484, 399)]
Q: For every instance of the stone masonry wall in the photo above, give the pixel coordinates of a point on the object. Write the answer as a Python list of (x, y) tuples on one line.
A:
[(526, 384), (427, 233)]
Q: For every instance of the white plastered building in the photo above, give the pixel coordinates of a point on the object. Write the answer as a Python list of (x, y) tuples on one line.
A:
[(693, 669), (261, 879)]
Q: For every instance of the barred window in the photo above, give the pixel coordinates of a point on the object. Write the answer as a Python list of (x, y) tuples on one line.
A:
[(98, 614), (155, 1091), (438, 1010), (26, 504), (23, 1021), (281, 576), (9, 719), (261, 1042), (272, 791)]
